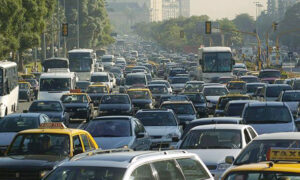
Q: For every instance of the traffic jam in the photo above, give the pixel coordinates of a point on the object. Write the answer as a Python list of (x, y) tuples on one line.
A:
[(130, 113)]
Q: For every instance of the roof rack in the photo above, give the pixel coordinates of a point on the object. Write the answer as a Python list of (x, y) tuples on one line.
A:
[(151, 153), (99, 151)]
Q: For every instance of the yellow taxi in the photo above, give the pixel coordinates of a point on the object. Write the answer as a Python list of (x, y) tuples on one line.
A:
[(141, 98), (96, 91), (35, 152), (283, 164), (25, 91), (223, 100), (78, 105), (237, 87)]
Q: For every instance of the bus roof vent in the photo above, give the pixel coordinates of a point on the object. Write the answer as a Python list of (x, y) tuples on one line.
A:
[(57, 70)]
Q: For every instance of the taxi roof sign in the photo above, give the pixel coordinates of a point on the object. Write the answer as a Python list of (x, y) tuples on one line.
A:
[(53, 125), (284, 154)]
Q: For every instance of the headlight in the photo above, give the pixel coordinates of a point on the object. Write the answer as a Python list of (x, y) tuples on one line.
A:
[(44, 173), (81, 109), (223, 166)]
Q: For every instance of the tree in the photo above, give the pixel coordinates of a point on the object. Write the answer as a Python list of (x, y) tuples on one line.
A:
[(230, 37), (244, 22)]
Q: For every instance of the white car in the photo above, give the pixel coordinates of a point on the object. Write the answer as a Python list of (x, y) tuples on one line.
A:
[(212, 95), (212, 143), (102, 77), (162, 126), (163, 82)]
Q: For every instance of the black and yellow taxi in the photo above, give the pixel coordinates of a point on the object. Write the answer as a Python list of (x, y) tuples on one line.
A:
[(35, 152), (141, 98), (78, 105), (282, 164), (96, 91), (223, 100), (25, 91)]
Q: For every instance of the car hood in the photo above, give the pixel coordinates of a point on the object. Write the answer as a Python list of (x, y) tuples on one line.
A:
[(141, 101), (52, 114), (214, 156), (273, 128), (161, 130), (6, 138), (114, 142), (31, 161), (104, 107), (78, 105), (213, 99)]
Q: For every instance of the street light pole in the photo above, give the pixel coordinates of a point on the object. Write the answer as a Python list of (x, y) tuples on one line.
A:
[(78, 24)]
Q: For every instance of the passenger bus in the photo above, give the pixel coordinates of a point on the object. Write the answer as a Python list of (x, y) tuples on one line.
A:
[(55, 62), (215, 62), (82, 62), (55, 83), (9, 88)]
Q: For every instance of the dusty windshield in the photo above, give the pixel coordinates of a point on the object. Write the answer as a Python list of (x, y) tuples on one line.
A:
[(97, 89), (55, 84), (217, 62), (139, 94)]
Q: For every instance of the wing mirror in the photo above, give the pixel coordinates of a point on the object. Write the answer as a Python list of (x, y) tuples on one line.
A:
[(229, 159)]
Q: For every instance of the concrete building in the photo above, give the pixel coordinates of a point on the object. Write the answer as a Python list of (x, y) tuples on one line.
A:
[(170, 9), (278, 8), (155, 10), (184, 8)]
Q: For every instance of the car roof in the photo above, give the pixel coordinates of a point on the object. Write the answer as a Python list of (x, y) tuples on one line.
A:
[(277, 85), (33, 115), (154, 110), (214, 86), (217, 119), (176, 102), (266, 70), (53, 131), (255, 104), (112, 118), (221, 126), (242, 101), (279, 136), (291, 91), (256, 83), (124, 159), (163, 85), (99, 73)]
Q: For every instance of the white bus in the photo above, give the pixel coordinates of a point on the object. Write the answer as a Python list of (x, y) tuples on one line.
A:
[(9, 88), (55, 83), (82, 62), (215, 62)]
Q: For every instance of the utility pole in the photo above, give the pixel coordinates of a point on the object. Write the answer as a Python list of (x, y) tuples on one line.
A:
[(65, 42), (78, 45), (59, 31)]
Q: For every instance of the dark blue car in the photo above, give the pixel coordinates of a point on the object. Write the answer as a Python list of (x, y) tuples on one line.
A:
[(115, 104)]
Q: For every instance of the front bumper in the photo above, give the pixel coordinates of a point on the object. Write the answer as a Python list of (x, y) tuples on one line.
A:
[(161, 143)]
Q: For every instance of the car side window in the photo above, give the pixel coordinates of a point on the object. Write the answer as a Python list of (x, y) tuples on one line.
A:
[(140, 125), (77, 146), (142, 172), (192, 169), (136, 128), (253, 134), (167, 170), (247, 136), (86, 143)]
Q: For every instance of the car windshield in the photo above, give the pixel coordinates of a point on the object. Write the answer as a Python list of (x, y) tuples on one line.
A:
[(196, 98), (179, 80), (291, 96), (87, 172), (42, 106), (131, 80), (40, 144), (212, 139), (180, 108), (18, 123), (276, 90), (251, 88), (109, 128), (157, 118), (267, 115), (235, 109), (192, 87), (177, 71), (82, 85), (97, 89), (158, 89), (257, 150), (249, 175), (107, 60), (74, 99), (215, 91), (55, 84), (160, 82), (115, 99), (23, 86), (138, 94), (238, 86), (99, 78), (269, 74), (225, 100)]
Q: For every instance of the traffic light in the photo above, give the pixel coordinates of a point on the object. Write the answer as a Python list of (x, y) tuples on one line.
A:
[(208, 27), (274, 25), (181, 34), (65, 29)]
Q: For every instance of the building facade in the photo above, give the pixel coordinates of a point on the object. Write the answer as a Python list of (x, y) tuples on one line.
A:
[(184, 8), (170, 9)]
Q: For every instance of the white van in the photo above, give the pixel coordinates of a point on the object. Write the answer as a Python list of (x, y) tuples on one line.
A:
[(55, 83), (108, 61), (102, 77)]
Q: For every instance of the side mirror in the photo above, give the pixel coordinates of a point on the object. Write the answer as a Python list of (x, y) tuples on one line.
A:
[(25, 111), (229, 159), (141, 135)]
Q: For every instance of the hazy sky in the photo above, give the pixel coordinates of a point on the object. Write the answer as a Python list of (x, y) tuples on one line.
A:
[(217, 9)]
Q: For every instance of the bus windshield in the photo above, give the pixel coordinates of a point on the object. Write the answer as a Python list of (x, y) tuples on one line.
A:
[(217, 62), (55, 63), (55, 84), (80, 62)]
